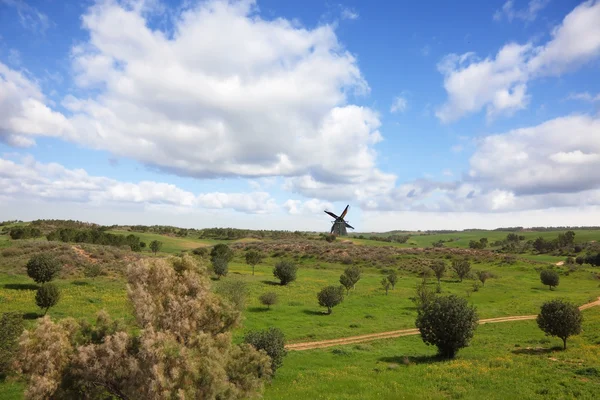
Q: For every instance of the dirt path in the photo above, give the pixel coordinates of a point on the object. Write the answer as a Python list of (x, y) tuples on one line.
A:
[(84, 254), (405, 332)]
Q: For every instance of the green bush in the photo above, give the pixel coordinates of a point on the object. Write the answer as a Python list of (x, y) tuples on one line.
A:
[(43, 268), (272, 341), (549, 278), (220, 266), (11, 326), (285, 271), (221, 251), (561, 319), (330, 296), (268, 299), (47, 296), (92, 270)]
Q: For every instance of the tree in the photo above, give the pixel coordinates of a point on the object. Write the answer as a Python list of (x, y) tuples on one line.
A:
[(285, 271), (483, 276), (155, 246), (392, 278), (47, 296), (11, 327), (423, 295), (268, 299), (221, 250), (462, 268), (43, 268), (353, 274), (438, 267), (561, 319), (253, 258), (346, 282), (447, 322), (180, 320), (330, 296), (549, 278), (272, 342), (385, 283), (220, 266), (234, 290)]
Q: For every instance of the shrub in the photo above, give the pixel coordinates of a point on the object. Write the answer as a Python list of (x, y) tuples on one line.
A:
[(234, 290), (200, 251), (423, 295), (483, 276), (47, 296), (462, 268), (220, 266), (92, 270), (272, 342), (549, 278), (346, 282), (353, 274), (560, 318), (330, 238), (11, 326), (285, 271), (438, 267), (221, 250), (447, 322), (43, 268), (155, 246), (330, 296), (253, 258), (385, 283), (392, 278), (268, 299)]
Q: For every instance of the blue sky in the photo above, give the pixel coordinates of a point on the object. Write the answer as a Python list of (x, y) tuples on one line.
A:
[(420, 115)]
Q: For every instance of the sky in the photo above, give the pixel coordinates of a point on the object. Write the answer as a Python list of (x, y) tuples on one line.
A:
[(262, 114)]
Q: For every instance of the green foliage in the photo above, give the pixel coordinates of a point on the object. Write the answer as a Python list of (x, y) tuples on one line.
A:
[(330, 296), (549, 278), (253, 258), (272, 342), (385, 283), (43, 268), (155, 246), (478, 244), (268, 299), (220, 266), (560, 318), (330, 238), (47, 296), (483, 276), (353, 274), (285, 271), (423, 295), (200, 251), (92, 270), (447, 322), (346, 282), (11, 326), (94, 236), (221, 251), (438, 267), (235, 291), (462, 268), (24, 232), (392, 278)]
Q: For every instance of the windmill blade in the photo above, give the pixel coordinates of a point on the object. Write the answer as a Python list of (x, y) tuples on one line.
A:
[(332, 214), (332, 228), (345, 211), (348, 225)]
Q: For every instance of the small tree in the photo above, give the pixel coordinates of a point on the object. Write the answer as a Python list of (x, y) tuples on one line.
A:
[(385, 283), (447, 322), (253, 258), (234, 290), (272, 341), (43, 268), (423, 295), (438, 267), (462, 268), (353, 273), (268, 299), (47, 296), (11, 327), (392, 278), (549, 278), (483, 276), (330, 296), (561, 319), (285, 271), (220, 266), (155, 246), (221, 250), (346, 282)]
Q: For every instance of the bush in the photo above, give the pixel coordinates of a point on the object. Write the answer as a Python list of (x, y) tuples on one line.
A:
[(330, 238), (549, 278), (462, 268), (47, 296), (330, 296), (393, 279), (447, 322), (43, 268), (92, 270), (423, 295), (200, 251), (234, 290), (560, 318), (272, 342), (221, 251), (285, 271), (11, 326), (220, 266), (155, 246), (483, 276), (268, 299), (438, 267), (385, 283)]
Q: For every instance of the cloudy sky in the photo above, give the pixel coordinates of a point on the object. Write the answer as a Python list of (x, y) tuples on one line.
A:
[(261, 114)]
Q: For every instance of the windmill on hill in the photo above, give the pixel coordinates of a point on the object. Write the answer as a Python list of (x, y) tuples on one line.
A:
[(339, 224)]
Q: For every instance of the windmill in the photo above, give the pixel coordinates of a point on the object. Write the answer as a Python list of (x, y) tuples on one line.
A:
[(339, 224)]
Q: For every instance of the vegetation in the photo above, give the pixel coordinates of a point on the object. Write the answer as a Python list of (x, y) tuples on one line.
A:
[(94, 236), (330, 296), (549, 278), (350, 277), (220, 266), (392, 279), (483, 276), (221, 251), (438, 267), (272, 342), (285, 271), (11, 326), (155, 246), (43, 268), (47, 296), (560, 318), (253, 258), (268, 299), (24, 232), (447, 322), (235, 291), (385, 283), (462, 268)]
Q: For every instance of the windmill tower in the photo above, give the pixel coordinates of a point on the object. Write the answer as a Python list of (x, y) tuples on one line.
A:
[(339, 224)]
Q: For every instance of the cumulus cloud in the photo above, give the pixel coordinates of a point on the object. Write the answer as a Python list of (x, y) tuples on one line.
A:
[(307, 207), (499, 84), (528, 14), (399, 105), (349, 13), (32, 180), (584, 96)]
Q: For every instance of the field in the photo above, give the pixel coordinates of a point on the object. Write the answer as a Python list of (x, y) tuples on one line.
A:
[(504, 360)]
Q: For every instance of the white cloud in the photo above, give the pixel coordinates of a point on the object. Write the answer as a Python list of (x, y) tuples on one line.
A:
[(399, 105), (348, 13), (32, 180), (14, 57), (499, 84), (308, 207), (585, 96), (527, 14), (29, 17)]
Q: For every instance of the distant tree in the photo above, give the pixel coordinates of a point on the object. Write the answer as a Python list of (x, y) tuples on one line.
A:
[(512, 237), (462, 268), (393, 278), (484, 242), (234, 290), (155, 246), (220, 266), (566, 239), (353, 275), (253, 258), (143, 245), (43, 268), (330, 296), (549, 278), (268, 299), (221, 250), (561, 319), (423, 295), (385, 283), (447, 322), (47, 296), (272, 341), (346, 282), (438, 267), (285, 271), (11, 327), (483, 276)]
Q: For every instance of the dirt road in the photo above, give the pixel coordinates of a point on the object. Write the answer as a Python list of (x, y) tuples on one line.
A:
[(404, 332)]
